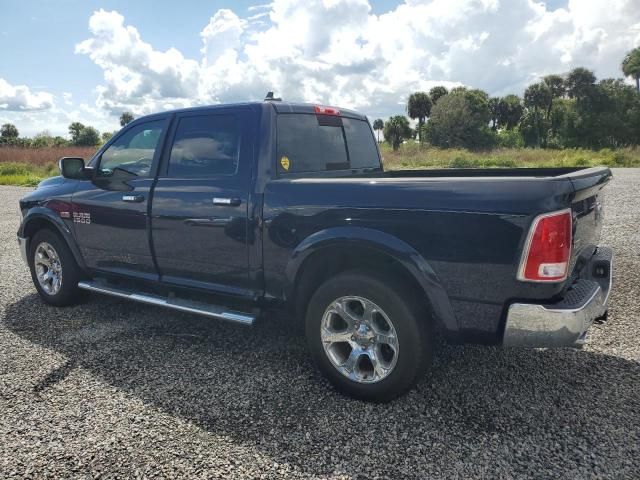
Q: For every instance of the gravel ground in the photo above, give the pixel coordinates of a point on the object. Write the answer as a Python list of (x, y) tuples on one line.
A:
[(116, 389)]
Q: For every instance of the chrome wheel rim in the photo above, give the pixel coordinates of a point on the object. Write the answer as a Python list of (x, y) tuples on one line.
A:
[(359, 339), (48, 268)]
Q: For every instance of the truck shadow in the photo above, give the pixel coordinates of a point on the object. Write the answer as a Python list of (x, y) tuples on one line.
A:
[(259, 387)]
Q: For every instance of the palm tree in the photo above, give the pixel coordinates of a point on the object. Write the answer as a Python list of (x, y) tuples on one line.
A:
[(631, 66), (378, 125), (396, 130), (419, 107), (437, 92)]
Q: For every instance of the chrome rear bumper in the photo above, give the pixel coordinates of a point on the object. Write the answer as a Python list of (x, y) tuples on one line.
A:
[(565, 323)]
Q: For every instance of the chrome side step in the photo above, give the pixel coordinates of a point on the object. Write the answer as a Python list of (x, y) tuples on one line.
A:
[(183, 305)]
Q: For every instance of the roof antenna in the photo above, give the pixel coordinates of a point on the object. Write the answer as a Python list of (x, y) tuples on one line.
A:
[(271, 98)]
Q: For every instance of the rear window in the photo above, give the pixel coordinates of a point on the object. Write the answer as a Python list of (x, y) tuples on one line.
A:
[(318, 143)]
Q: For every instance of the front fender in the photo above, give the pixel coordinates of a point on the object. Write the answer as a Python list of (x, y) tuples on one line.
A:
[(384, 243), (38, 216)]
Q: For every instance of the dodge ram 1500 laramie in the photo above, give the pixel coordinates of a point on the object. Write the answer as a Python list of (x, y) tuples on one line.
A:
[(227, 211)]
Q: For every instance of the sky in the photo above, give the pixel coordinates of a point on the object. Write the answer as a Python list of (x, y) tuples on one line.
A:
[(90, 60)]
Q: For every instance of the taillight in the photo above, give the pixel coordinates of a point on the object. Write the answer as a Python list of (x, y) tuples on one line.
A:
[(320, 110), (547, 251)]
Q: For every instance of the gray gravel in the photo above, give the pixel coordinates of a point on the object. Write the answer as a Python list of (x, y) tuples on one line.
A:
[(117, 389)]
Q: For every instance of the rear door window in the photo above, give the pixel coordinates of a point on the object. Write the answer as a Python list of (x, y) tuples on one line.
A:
[(205, 146), (313, 143)]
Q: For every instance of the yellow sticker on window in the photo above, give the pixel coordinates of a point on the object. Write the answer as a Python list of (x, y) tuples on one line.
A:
[(284, 161)]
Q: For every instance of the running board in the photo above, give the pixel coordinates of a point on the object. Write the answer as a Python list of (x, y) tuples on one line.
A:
[(183, 305)]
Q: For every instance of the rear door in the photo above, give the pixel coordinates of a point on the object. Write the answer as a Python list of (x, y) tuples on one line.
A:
[(199, 208), (110, 212)]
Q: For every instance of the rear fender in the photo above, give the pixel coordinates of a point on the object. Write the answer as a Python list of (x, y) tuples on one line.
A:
[(414, 263)]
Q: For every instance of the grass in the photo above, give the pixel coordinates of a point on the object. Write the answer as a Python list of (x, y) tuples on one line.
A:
[(24, 174), (28, 166), (413, 156)]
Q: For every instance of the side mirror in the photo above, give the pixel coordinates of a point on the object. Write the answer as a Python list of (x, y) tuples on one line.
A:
[(73, 167)]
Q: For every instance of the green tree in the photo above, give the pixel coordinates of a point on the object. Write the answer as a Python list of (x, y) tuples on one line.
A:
[(419, 107), (580, 82), (9, 131), (436, 93), (537, 96), (378, 125), (538, 100), (106, 136), (42, 140), (533, 127), (125, 118), (631, 66), (494, 112), (88, 137), (461, 119), (396, 129), (556, 85), (74, 130), (509, 111)]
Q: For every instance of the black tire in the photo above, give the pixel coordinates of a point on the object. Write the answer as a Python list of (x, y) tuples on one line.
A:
[(71, 274), (410, 321)]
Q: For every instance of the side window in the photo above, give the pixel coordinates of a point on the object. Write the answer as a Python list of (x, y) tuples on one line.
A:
[(362, 144), (205, 145), (133, 151)]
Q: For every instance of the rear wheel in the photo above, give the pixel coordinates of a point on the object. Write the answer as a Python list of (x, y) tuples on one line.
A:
[(54, 271), (371, 340)]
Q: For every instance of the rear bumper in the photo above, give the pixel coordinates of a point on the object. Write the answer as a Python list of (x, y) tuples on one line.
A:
[(564, 323), (22, 243)]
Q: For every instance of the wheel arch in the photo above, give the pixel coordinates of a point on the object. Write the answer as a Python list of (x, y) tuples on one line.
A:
[(334, 250), (39, 218)]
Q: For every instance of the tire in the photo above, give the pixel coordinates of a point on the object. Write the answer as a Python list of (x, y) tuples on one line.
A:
[(48, 252), (334, 343)]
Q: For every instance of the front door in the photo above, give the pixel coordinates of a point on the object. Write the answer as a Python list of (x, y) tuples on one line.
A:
[(199, 207), (110, 213)]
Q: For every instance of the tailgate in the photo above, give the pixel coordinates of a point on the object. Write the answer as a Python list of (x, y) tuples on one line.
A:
[(588, 209)]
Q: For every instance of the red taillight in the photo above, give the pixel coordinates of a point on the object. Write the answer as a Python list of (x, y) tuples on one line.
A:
[(320, 110), (547, 251)]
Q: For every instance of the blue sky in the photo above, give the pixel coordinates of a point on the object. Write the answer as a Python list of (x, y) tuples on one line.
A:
[(89, 60)]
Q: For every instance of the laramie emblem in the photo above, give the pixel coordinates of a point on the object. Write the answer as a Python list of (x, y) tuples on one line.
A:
[(80, 217)]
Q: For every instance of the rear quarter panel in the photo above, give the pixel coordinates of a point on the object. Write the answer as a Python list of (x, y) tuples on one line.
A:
[(470, 231)]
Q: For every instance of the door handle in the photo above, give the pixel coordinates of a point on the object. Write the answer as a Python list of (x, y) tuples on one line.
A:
[(231, 202), (133, 198)]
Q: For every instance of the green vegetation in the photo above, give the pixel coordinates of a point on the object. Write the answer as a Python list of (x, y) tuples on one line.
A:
[(411, 155), (23, 174), (572, 111), (396, 129)]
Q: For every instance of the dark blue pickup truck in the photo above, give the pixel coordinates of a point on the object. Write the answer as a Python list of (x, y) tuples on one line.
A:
[(230, 210)]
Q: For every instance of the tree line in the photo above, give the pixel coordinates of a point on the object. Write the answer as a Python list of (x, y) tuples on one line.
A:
[(560, 111), (80, 135)]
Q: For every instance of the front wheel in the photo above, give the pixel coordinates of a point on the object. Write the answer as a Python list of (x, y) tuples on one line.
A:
[(371, 340), (54, 271)]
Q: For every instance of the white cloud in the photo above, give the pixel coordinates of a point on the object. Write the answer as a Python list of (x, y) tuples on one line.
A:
[(136, 76), (20, 98), (339, 52)]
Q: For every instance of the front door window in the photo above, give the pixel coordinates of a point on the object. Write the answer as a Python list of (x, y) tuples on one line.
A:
[(133, 151)]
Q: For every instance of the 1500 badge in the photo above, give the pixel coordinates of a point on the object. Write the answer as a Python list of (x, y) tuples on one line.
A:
[(81, 217)]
